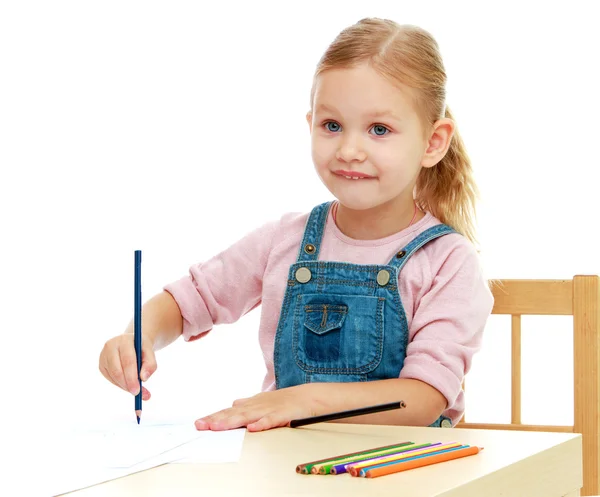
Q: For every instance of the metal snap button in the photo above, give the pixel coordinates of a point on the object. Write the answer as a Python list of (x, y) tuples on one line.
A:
[(383, 277), (309, 248), (446, 423), (303, 275), (401, 254)]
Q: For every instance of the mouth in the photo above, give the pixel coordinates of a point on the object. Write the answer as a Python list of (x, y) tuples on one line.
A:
[(353, 175)]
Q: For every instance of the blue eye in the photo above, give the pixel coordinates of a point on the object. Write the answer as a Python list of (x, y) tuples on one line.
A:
[(380, 130), (332, 126)]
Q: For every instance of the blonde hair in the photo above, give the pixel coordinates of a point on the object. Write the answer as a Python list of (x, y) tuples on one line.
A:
[(410, 56)]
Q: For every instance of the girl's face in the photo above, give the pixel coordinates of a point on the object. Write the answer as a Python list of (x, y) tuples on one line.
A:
[(367, 140)]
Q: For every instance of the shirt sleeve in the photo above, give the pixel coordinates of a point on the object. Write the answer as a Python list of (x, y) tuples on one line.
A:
[(448, 323), (225, 287)]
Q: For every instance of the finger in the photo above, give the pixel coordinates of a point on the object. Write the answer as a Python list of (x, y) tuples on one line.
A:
[(207, 422), (148, 362), (145, 392), (107, 375), (201, 425), (240, 402), (272, 420), (102, 361), (113, 371), (101, 365), (129, 367), (227, 419)]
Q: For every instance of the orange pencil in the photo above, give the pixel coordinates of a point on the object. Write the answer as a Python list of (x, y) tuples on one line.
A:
[(417, 463)]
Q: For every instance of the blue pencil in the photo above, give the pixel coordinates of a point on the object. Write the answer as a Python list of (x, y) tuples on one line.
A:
[(137, 326)]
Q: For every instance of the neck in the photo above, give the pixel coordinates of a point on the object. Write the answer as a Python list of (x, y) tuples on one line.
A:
[(378, 222)]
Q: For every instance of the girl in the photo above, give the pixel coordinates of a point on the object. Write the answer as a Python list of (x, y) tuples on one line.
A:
[(373, 298)]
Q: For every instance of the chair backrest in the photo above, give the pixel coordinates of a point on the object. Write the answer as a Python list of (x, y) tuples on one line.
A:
[(580, 298)]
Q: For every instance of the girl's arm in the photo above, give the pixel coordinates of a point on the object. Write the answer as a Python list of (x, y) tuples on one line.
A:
[(424, 404), (162, 323)]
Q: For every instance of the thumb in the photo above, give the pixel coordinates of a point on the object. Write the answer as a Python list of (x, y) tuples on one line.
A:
[(148, 362)]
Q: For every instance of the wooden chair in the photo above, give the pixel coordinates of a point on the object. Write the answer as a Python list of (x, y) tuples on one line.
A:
[(580, 298)]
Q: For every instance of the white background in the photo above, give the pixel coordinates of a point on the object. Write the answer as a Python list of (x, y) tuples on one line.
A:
[(176, 128)]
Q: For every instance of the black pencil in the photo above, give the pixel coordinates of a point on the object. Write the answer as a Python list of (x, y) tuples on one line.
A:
[(347, 414)]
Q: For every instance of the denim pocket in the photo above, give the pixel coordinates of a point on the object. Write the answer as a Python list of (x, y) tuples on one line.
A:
[(338, 334), (325, 322)]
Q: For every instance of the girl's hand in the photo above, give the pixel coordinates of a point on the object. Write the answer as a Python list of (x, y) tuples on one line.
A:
[(119, 366), (266, 410)]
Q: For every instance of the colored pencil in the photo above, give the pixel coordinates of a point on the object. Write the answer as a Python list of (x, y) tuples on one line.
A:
[(306, 467), (421, 461), (324, 468), (354, 468), (137, 326), (295, 423), (343, 467), (363, 471)]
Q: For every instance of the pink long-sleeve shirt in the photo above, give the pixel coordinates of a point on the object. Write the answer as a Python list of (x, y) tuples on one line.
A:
[(443, 291)]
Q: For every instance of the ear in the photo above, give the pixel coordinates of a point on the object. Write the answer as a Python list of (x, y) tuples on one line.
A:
[(439, 142), (309, 120)]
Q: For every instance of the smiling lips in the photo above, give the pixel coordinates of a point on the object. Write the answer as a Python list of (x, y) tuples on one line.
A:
[(352, 174)]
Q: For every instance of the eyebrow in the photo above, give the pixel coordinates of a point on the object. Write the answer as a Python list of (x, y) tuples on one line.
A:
[(374, 114), (384, 113)]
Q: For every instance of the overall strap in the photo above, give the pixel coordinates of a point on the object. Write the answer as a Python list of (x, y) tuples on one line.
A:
[(313, 233), (428, 235)]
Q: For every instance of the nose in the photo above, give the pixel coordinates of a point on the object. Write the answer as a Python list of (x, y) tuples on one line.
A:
[(351, 150)]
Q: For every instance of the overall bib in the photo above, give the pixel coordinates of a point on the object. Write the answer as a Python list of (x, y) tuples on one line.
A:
[(342, 322)]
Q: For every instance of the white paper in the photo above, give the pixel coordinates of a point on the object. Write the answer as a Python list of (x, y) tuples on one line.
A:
[(78, 458), (211, 447), (73, 475), (124, 445)]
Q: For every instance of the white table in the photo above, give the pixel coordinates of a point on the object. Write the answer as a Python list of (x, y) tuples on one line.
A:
[(512, 464)]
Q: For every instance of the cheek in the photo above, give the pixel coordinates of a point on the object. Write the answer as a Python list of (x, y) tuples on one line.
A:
[(386, 158), (394, 156), (323, 151)]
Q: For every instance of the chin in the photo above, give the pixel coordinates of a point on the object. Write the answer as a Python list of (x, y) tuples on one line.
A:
[(358, 204)]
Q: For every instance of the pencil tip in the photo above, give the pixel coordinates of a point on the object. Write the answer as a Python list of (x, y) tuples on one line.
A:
[(138, 418)]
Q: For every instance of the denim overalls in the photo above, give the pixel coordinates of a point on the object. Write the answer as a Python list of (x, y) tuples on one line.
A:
[(342, 322)]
